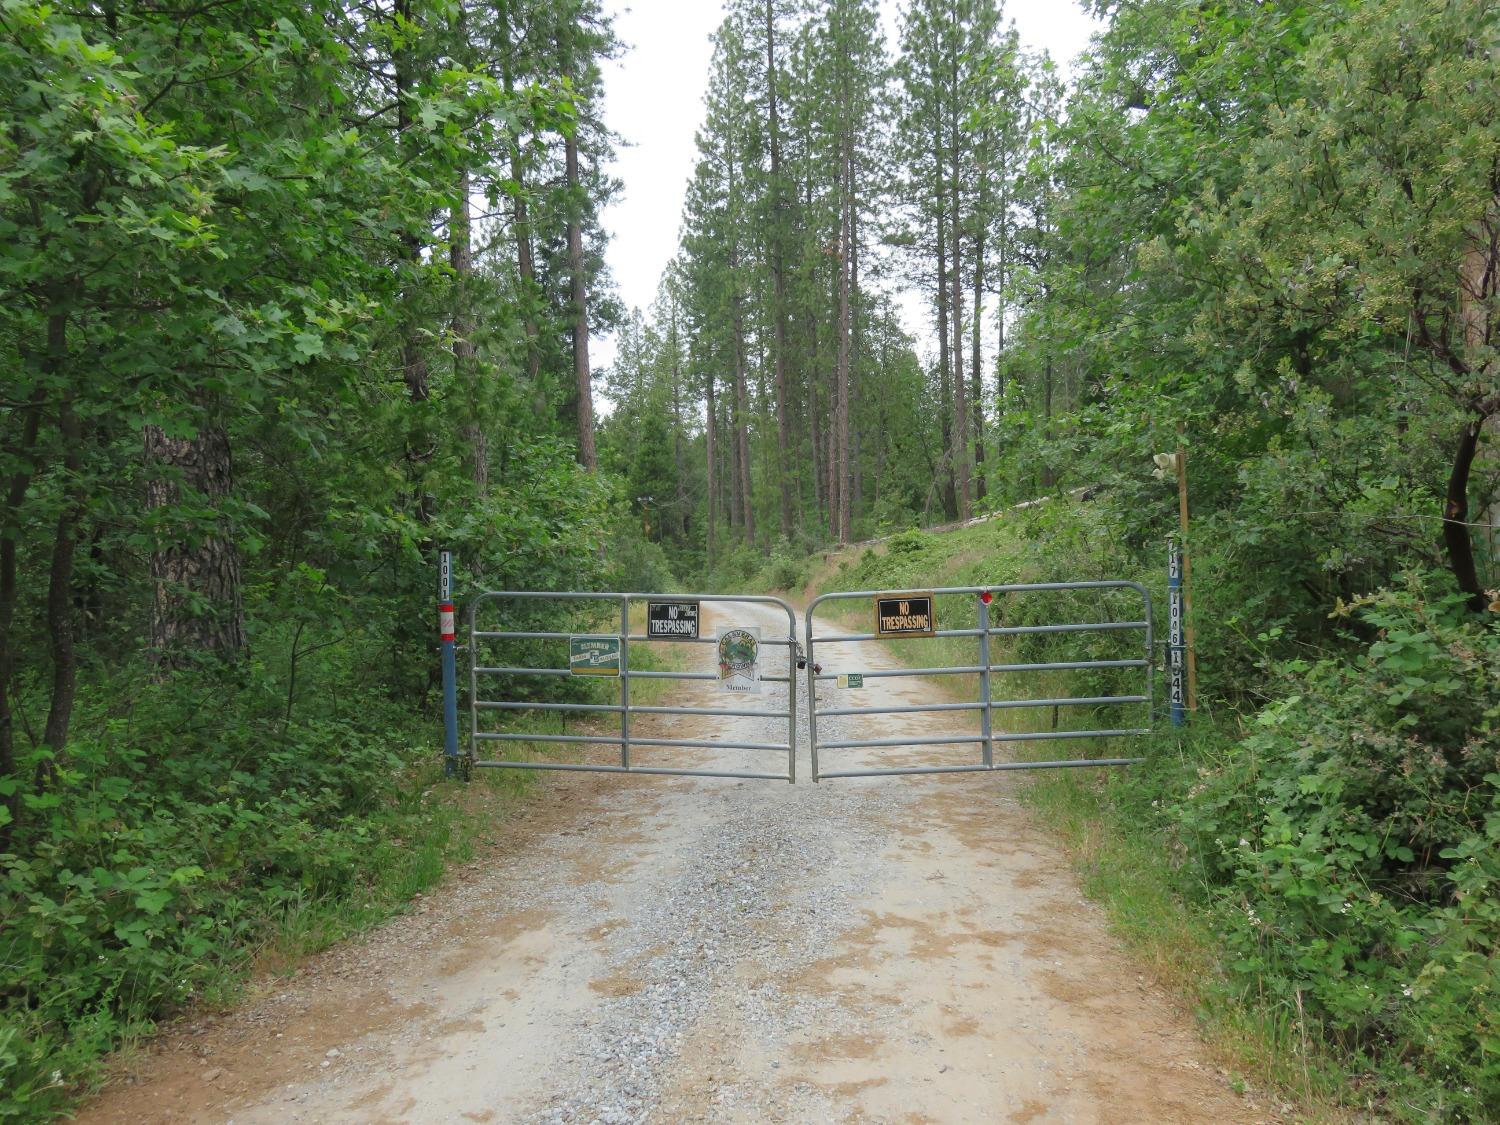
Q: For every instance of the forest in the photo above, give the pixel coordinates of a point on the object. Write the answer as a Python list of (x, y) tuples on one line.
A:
[(296, 294)]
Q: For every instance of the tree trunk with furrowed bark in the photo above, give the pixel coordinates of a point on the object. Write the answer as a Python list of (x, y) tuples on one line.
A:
[(196, 606)]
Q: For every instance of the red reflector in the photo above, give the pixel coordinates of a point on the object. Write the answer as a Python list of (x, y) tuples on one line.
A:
[(986, 597)]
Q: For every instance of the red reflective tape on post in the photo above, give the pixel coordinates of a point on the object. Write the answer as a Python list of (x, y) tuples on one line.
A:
[(445, 621)]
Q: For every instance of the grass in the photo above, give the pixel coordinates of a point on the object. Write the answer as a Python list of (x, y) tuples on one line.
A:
[(441, 823), (1151, 904), (1121, 866)]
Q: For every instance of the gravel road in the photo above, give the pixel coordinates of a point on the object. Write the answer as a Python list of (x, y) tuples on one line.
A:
[(678, 949)]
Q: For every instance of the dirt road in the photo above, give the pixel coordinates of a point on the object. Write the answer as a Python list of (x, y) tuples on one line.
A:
[(665, 950)]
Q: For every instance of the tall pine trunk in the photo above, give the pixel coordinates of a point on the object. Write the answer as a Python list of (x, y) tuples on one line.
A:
[(742, 506), (465, 366), (1000, 274), (713, 493), (195, 571), (778, 279), (815, 425), (520, 213), (582, 381), (60, 618), (976, 357), (856, 481), (679, 461), (742, 427), (945, 386), (841, 525), (960, 391)]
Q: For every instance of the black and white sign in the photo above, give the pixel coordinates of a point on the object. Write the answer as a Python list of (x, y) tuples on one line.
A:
[(904, 615), (672, 621)]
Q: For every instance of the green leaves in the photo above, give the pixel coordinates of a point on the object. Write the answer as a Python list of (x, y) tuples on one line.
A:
[(1350, 839)]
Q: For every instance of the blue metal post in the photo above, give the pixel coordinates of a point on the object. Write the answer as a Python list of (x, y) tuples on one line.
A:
[(448, 641), (1176, 648)]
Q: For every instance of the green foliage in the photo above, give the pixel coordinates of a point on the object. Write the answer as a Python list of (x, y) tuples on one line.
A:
[(1351, 844), (782, 571), (176, 839), (638, 564), (1334, 862), (232, 236)]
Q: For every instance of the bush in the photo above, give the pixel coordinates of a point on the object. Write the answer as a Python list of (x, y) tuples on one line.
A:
[(638, 564), (911, 542), (1352, 844), (177, 836), (784, 571)]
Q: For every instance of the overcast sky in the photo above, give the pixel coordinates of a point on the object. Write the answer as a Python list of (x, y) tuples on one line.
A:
[(653, 98)]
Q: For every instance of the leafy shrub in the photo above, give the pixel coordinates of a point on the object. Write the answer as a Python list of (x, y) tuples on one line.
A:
[(1352, 842), (782, 573), (911, 542), (638, 564), (173, 840)]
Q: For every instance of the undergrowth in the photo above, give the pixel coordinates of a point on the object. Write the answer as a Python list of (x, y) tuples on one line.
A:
[(1313, 863), (181, 839), (222, 824)]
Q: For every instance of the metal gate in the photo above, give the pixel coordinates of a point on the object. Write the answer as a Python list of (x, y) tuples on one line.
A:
[(914, 615), (599, 648)]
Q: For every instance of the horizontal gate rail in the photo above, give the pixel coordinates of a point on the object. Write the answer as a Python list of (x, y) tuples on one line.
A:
[(481, 673), (998, 704), (700, 676), (960, 739), (1006, 631), (997, 767), (654, 771), (985, 669)]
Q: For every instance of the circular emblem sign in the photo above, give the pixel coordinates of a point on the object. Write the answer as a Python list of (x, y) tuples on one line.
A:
[(739, 660)]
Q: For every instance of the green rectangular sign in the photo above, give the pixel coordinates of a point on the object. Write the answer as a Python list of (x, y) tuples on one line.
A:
[(594, 656)]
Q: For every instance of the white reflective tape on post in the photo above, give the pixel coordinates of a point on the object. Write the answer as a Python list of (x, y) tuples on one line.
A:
[(445, 621)]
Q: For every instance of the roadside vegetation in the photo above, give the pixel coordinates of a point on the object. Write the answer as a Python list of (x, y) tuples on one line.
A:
[(297, 293), (1313, 860), (1264, 234), (289, 303)]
